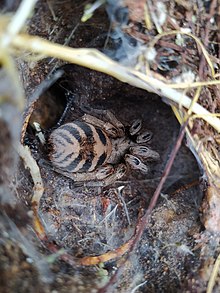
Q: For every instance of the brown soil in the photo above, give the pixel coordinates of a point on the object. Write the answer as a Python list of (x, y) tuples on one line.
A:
[(175, 253)]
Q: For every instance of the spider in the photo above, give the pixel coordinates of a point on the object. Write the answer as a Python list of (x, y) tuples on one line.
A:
[(92, 150)]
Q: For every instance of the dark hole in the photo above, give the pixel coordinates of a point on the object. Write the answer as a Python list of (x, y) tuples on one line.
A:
[(49, 107)]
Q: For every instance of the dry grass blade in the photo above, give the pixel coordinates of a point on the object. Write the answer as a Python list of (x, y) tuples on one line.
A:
[(214, 275), (93, 59)]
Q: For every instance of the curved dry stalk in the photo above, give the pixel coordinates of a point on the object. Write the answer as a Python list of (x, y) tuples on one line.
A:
[(92, 58), (213, 276), (30, 163)]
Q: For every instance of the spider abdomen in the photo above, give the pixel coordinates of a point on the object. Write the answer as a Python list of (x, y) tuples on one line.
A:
[(79, 147)]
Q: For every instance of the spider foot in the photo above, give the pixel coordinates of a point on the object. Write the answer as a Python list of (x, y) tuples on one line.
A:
[(144, 137), (135, 127), (136, 164), (134, 130), (144, 152)]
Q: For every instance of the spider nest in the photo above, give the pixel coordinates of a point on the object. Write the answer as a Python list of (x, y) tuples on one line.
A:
[(158, 62)]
